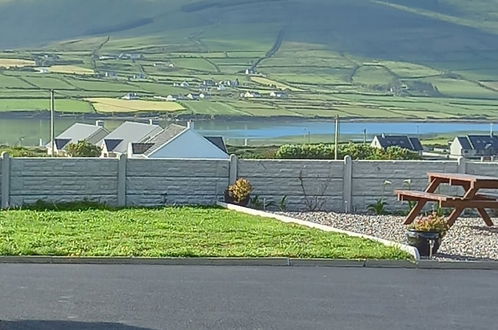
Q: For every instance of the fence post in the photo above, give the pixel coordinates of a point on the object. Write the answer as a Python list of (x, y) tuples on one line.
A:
[(5, 181), (462, 165), (347, 197), (123, 160), (234, 169)]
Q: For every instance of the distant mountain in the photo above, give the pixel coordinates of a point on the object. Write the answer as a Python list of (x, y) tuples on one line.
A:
[(421, 30)]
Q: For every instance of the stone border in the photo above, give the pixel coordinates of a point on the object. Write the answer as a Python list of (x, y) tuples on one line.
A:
[(269, 262), (409, 249)]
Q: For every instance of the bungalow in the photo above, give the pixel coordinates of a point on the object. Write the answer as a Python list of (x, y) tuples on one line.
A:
[(110, 75), (402, 141), (78, 132), (474, 146), (179, 142), (279, 95), (116, 143), (249, 95), (130, 96), (208, 83), (195, 96)]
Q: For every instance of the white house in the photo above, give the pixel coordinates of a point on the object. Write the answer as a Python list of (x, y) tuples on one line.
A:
[(78, 132), (116, 143), (130, 96), (402, 141), (279, 95), (179, 142), (474, 146)]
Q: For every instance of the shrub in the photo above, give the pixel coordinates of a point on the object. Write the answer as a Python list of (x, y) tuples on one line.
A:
[(431, 223), (83, 149), (240, 190), (305, 151), (355, 150)]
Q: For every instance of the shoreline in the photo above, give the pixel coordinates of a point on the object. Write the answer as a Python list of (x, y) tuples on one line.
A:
[(45, 115)]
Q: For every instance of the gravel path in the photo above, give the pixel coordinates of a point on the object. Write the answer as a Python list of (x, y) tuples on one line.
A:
[(468, 239)]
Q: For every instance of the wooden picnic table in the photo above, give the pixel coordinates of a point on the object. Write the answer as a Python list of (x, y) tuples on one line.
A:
[(471, 198)]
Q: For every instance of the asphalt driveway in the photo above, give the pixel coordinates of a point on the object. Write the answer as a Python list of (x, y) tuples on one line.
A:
[(201, 297)]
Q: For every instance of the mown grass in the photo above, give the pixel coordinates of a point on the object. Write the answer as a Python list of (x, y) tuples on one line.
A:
[(173, 232)]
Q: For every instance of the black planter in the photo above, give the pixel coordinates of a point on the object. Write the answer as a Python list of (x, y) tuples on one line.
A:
[(422, 240), (229, 199)]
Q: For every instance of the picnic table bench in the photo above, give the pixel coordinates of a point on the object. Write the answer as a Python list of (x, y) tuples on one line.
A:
[(471, 198)]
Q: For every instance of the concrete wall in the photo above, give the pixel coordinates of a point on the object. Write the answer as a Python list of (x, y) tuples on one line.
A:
[(329, 185)]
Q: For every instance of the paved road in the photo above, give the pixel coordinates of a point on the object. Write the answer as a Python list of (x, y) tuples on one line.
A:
[(130, 297)]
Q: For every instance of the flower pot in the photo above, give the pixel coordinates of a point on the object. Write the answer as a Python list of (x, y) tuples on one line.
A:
[(422, 241), (229, 199)]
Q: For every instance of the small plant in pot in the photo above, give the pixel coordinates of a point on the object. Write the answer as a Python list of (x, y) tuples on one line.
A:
[(239, 193), (426, 233)]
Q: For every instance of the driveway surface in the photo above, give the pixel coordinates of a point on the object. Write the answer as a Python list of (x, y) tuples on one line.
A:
[(130, 297)]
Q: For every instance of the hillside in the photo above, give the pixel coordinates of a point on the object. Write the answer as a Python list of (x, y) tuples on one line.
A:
[(397, 58)]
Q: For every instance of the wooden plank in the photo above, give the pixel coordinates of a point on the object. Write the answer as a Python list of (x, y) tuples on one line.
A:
[(416, 195)]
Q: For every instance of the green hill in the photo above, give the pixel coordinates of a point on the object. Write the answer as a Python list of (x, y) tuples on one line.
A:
[(398, 58)]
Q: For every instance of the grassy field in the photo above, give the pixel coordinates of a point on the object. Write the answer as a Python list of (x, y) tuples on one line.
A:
[(63, 105), (106, 105), (14, 62), (174, 232), (71, 69)]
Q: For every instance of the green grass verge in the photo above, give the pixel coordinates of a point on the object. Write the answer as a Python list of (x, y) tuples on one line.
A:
[(173, 232)]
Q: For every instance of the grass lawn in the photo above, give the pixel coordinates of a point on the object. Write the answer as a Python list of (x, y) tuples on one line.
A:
[(173, 232)]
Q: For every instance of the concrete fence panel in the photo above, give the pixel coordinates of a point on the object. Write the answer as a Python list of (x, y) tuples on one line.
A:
[(176, 181), (344, 185), (307, 184)]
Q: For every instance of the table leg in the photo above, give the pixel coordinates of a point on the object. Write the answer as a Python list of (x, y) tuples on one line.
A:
[(415, 211), (454, 215), (485, 216)]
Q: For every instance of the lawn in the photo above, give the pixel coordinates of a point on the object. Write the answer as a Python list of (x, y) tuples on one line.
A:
[(174, 232)]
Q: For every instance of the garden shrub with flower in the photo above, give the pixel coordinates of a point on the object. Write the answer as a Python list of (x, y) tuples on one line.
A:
[(431, 223)]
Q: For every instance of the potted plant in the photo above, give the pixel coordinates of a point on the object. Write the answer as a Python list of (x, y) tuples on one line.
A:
[(239, 193), (427, 232)]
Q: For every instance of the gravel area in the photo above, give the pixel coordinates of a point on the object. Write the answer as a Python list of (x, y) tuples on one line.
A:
[(469, 239)]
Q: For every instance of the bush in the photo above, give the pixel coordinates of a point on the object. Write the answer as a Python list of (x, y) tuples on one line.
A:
[(305, 151), (83, 149), (240, 190), (356, 151), (23, 151)]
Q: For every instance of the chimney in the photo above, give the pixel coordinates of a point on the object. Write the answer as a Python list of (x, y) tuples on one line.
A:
[(190, 124), (99, 123)]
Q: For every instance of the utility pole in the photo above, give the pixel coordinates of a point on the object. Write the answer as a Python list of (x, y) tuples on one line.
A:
[(336, 140), (52, 123), (365, 136)]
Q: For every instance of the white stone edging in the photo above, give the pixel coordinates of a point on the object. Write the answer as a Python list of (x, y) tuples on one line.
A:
[(407, 248)]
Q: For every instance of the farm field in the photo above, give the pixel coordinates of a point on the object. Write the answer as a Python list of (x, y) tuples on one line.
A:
[(106, 105), (15, 62)]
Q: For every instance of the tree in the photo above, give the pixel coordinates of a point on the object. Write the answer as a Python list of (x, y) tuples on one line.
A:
[(83, 149)]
